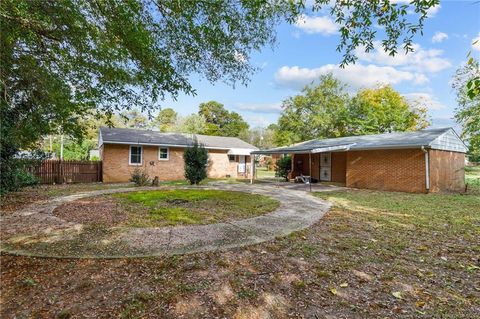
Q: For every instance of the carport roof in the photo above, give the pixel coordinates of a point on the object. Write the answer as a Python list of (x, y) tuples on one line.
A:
[(428, 138)]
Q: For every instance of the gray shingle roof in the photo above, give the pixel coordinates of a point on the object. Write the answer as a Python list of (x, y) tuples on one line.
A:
[(368, 142), (110, 135)]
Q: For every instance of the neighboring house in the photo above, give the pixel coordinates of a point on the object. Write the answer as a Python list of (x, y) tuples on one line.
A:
[(430, 160), (161, 154)]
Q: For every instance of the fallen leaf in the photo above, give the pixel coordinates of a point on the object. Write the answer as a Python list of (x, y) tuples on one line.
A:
[(343, 285), (333, 291), (420, 304), (397, 294)]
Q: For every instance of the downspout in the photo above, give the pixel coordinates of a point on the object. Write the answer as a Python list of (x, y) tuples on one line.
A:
[(427, 169)]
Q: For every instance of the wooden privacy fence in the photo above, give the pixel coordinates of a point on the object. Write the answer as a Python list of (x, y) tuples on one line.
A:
[(58, 172)]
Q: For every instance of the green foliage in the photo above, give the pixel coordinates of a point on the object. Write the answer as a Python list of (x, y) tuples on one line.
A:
[(220, 121), (63, 60), (165, 120), (318, 112), (133, 119), (283, 167), (140, 177), (196, 161), (16, 170), (473, 83), (72, 149), (383, 110), (468, 111), (192, 124), (325, 110)]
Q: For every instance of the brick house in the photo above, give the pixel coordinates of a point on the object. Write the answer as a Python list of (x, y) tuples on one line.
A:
[(161, 154), (430, 160)]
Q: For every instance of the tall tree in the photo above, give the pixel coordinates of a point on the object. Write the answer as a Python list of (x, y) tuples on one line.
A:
[(133, 119), (260, 137), (383, 110), (220, 121), (326, 110), (318, 112), (468, 111), (165, 119), (192, 124)]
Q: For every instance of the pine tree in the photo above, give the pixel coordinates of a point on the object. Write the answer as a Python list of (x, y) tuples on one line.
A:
[(196, 160)]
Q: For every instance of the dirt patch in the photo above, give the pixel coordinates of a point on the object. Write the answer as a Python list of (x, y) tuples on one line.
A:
[(93, 210)]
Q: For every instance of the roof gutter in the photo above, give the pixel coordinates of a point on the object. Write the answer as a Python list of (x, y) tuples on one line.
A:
[(427, 168), (166, 145)]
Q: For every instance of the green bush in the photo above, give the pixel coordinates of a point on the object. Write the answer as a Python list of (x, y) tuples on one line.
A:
[(140, 177), (25, 178), (196, 160), (17, 168), (283, 167)]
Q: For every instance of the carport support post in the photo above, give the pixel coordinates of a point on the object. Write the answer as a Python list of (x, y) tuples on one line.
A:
[(252, 167), (310, 172)]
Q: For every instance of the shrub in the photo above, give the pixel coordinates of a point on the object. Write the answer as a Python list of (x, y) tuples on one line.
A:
[(17, 168), (283, 167), (196, 160), (140, 177)]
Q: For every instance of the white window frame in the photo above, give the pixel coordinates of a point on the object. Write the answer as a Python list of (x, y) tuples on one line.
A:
[(130, 155), (168, 153)]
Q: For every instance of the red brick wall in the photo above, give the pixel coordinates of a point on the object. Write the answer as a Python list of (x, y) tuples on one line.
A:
[(447, 172), (117, 169), (392, 170)]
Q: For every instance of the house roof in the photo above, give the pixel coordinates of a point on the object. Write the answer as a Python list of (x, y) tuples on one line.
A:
[(437, 138), (109, 135)]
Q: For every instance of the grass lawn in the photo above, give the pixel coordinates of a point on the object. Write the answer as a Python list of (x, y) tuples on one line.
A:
[(262, 172), (192, 206), (374, 255), (472, 178)]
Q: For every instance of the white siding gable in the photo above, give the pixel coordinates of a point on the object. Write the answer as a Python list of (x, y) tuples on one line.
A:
[(449, 141)]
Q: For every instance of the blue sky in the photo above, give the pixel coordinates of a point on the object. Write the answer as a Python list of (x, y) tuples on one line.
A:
[(308, 49)]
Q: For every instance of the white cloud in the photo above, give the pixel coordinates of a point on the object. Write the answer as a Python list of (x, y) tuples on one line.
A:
[(357, 75), (425, 100), (476, 43), (420, 60), (431, 12), (439, 37), (258, 121), (260, 107), (323, 25)]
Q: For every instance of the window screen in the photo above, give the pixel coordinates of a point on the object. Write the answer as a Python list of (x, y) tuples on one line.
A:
[(163, 153), (231, 158), (135, 155)]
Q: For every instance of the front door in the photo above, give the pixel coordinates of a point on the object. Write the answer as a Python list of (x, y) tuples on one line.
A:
[(241, 164), (325, 167)]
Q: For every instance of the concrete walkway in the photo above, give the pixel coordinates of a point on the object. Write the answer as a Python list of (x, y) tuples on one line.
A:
[(34, 231)]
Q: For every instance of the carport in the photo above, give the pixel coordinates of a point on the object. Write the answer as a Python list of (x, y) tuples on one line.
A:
[(325, 164)]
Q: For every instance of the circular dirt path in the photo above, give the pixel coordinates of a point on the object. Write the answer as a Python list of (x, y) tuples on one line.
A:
[(34, 231)]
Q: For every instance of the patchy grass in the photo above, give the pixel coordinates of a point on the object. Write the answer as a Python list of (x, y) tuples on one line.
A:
[(262, 172), (472, 179), (28, 195), (374, 255), (191, 206)]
